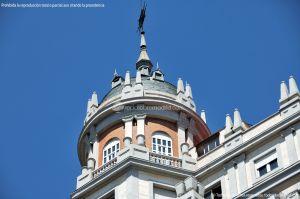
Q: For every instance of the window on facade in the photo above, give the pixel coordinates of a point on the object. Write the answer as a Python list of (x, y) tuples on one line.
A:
[(211, 145), (266, 164), (110, 150), (214, 193), (162, 144)]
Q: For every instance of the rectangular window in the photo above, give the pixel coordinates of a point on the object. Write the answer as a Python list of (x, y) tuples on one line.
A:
[(214, 193), (266, 163), (207, 195), (205, 150), (273, 164), (154, 147), (212, 145), (217, 142), (262, 170)]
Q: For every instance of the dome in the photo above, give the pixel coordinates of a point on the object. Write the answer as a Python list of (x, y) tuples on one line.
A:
[(149, 84)]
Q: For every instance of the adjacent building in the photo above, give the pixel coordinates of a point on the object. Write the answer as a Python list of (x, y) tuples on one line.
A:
[(145, 140)]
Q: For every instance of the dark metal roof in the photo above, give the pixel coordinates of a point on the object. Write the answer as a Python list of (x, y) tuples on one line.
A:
[(153, 85)]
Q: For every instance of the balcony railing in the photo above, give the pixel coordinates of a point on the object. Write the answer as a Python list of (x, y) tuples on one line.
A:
[(165, 160), (105, 167), (153, 157)]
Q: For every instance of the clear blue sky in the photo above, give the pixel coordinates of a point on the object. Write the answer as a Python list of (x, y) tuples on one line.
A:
[(233, 53)]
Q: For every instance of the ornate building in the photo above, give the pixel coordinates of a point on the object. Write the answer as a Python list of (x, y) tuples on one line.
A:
[(145, 140)]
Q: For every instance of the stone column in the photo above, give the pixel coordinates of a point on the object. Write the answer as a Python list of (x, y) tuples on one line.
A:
[(128, 130), (140, 137)]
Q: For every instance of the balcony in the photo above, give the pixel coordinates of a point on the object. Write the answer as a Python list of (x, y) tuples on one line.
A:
[(138, 153)]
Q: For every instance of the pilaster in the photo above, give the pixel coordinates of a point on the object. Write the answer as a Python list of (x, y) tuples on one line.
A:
[(232, 180), (182, 125), (290, 145), (128, 129), (140, 118)]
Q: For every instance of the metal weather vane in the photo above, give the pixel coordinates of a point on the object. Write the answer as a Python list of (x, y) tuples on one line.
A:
[(142, 18)]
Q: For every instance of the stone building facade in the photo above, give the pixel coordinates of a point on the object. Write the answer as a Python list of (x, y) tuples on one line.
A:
[(145, 140)]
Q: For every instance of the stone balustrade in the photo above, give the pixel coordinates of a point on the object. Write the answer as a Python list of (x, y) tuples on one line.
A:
[(143, 153), (165, 160), (105, 167)]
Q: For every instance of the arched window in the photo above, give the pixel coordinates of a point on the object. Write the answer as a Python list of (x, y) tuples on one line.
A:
[(161, 143), (110, 150)]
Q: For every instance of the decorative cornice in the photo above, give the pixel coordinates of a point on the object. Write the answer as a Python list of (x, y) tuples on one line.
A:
[(248, 144)]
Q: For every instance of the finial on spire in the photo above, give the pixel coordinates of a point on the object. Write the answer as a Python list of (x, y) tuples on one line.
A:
[(142, 17), (143, 63), (115, 73), (157, 66)]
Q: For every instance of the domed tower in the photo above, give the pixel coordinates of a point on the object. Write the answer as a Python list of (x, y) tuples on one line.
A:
[(143, 124), (141, 135)]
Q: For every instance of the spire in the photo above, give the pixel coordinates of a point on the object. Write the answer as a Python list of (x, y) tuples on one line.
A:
[(157, 66), (117, 80), (228, 123), (237, 119), (283, 91), (203, 117), (138, 79), (89, 104), (180, 87), (115, 73), (143, 40), (293, 86), (94, 101), (188, 91), (127, 78), (144, 61)]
